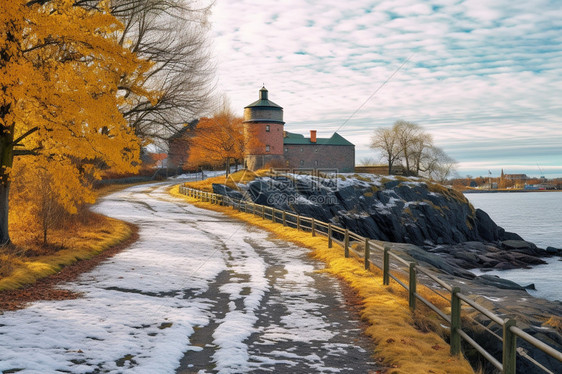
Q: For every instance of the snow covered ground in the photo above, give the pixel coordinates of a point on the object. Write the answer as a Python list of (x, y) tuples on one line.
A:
[(198, 292)]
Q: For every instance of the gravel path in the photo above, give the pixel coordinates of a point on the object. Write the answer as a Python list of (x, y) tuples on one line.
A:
[(197, 293)]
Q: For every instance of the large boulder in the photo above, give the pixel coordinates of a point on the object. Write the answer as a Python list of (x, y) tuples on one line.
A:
[(409, 210), (399, 210)]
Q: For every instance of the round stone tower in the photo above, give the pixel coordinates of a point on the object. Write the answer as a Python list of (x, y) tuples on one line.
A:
[(263, 128)]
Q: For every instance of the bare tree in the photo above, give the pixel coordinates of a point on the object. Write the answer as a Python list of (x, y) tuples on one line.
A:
[(367, 161), (172, 34), (437, 165), (411, 142), (406, 142), (386, 140)]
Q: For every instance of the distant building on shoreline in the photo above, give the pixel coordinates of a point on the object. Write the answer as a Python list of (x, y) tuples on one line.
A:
[(269, 145), (514, 177)]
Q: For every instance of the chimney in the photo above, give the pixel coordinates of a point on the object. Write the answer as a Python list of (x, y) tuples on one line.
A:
[(313, 136)]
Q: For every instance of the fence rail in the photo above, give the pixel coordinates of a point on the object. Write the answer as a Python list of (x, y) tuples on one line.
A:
[(347, 238)]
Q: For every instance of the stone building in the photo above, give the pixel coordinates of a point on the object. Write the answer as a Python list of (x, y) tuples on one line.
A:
[(269, 145), (178, 146)]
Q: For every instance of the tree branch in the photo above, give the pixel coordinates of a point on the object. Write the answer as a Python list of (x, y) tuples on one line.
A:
[(25, 135)]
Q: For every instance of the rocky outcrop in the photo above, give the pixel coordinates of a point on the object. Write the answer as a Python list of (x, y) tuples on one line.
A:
[(448, 232), (397, 210)]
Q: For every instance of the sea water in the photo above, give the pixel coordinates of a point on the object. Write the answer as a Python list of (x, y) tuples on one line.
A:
[(536, 217)]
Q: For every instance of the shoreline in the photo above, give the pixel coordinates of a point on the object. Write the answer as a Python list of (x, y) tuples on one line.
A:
[(509, 191)]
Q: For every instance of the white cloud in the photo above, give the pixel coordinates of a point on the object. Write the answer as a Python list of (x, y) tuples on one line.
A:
[(481, 73)]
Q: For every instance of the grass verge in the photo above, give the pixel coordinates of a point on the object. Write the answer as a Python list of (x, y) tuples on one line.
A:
[(407, 343), (242, 176), (80, 243), (28, 260)]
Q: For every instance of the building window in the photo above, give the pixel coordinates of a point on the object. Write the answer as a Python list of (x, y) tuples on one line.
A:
[(266, 128), (302, 162), (267, 148)]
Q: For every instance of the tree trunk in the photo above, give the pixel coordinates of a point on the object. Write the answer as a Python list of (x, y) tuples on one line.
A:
[(4, 234), (227, 166), (6, 162)]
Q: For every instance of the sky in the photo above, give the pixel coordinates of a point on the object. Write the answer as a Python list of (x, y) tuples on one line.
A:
[(484, 78)]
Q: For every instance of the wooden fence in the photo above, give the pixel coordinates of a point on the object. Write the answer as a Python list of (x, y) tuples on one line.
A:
[(346, 238)]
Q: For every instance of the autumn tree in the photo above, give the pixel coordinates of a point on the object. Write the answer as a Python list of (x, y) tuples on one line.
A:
[(219, 139), (61, 66), (409, 144)]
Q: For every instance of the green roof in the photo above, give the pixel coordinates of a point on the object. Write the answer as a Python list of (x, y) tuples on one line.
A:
[(336, 139), (263, 101)]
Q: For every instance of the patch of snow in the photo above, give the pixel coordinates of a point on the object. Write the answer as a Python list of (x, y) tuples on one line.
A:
[(140, 308)]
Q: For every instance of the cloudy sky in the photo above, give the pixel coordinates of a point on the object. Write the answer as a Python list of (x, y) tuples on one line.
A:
[(483, 77)]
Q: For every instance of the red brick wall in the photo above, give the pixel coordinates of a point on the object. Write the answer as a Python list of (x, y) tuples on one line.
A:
[(178, 152), (315, 156), (259, 138)]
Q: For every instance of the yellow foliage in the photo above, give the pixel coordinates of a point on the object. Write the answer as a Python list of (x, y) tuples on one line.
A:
[(217, 139), (62, 74), (400, 341), (81, 242)]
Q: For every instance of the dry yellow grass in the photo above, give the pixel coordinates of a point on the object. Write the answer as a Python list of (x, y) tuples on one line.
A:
[(242, 176), (82, 237), (80, 242), (403, 340)]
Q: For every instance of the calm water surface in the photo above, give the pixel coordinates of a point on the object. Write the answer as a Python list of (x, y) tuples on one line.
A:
[(537, 217)]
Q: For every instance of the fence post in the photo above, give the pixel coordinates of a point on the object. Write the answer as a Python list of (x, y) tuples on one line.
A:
[(284, 219), (509, 356), (298, 222), (329, 235), (263, 212), (367, 254), (412, 286), (346, 243), (312, 228), (386, 267), (273, 214), (455, 322)]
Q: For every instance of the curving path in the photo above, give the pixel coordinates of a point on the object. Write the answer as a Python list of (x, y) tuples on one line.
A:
[(197, 293)]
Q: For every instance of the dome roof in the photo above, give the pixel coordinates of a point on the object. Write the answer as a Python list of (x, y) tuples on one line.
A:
[(263, 102)]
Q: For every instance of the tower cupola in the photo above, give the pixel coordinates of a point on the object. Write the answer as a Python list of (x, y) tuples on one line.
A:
[(263, 110), (263, 93)]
